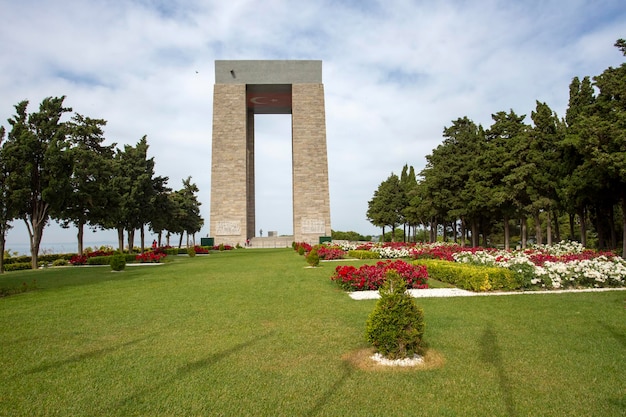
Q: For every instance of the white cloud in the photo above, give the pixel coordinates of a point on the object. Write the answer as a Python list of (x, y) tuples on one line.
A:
[(395, 74)]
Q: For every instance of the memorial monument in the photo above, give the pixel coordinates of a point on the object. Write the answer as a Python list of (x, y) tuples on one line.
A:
[(242, 90)]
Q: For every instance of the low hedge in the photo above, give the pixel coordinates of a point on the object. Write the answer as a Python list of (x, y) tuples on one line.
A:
[(471, 277), (363, 254), (106, 260), (17, 266), (49, 258)]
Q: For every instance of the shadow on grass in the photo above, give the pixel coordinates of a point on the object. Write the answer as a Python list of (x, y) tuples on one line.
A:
[(80, 357), (216, 357), (491, 355), (618, 335), (332, 390), (189, 368)]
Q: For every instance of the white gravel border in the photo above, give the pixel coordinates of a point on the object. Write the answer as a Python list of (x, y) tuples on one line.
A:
[(415, 360), (456, 292)]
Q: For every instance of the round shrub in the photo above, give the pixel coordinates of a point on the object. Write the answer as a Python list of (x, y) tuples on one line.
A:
[(396, 325), (191, 252), (312, 257), (118, 262), (60, 262)]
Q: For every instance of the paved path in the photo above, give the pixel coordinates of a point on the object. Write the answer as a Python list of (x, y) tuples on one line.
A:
[(456, 292)]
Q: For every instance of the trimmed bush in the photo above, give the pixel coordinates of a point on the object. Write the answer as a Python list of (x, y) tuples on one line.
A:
[(17, 266), (118, 262), (100, 260), (312, 257), (396, 325), (472, 277), (363, 254), (191, 252), (60, 262), (17, 260)]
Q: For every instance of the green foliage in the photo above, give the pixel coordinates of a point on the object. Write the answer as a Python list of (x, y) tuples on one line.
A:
[(221, 247), (60, 262), (363, 254), (396, 326), (171, 251), (351, 236), (17, 266), (103, 260), (473, 277), (37, 159), (118, 262), (386, 206), (191, 252), (312, 257), (17, 260)]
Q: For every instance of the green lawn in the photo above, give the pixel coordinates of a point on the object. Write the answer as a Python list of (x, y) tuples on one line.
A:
[(256, 333)]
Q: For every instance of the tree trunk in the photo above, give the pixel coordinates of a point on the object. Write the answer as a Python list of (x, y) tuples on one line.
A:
[(433, 228), (507, 233), (548, 229), (613, 231), (538, 233), (131, 240), (180, 242), (120, 238), (167, 239), (557, 227), (454, 230), (142, 233), (35, 234), (159, 236), (474, 233), (463, 232), (485, 243), (583, 227), (79, 236), (623, 224), (2, 246), (571, 226), (523, 231)]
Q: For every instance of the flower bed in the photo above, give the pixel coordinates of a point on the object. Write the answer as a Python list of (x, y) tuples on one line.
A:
[(83, 259), (329, 253), (150, 257), (563, 265), (201, 250), (566, 264), (371, 277)]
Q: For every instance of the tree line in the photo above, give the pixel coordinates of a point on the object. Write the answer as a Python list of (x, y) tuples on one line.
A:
[(479, 181), (51, 169)]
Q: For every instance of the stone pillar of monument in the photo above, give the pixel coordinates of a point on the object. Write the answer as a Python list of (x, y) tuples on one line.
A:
[(243, 89), (231, 164), (311, 206)]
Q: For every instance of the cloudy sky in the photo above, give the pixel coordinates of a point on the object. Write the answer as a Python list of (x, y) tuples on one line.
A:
[(396, 72)]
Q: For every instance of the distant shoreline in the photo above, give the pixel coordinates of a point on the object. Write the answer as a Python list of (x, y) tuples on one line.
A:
[(56, 247)]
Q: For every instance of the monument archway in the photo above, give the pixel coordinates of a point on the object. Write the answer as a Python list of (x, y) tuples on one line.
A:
[(243, 89)]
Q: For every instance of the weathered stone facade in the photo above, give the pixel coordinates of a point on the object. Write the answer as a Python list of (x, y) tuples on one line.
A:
[(242, 89)]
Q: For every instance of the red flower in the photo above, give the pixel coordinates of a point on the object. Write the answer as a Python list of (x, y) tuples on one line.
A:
[(372, 277)]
